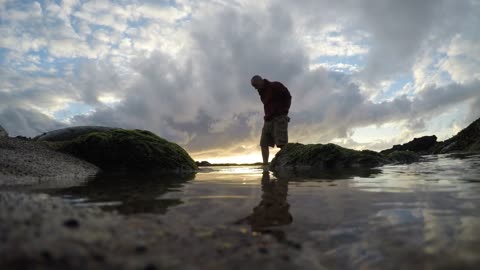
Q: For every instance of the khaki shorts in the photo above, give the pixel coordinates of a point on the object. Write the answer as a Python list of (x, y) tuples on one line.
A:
[(275, 132)]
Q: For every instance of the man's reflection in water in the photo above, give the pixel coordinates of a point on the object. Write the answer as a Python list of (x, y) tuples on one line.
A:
[(273, 209)]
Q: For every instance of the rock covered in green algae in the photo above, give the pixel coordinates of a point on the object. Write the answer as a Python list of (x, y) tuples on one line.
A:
[(130, 149), (70, 133), (327, 156), (332, 156)]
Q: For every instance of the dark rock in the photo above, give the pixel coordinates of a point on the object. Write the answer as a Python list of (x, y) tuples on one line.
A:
[(150, 267), (23, 138), (46, 255), (263, 250), (467, 140), (71, 133), (71, 223), (3, 132), (203, 163), (325, 156), (98, 257), (418, 145), (403, 157), (131, 150), (140, 249)]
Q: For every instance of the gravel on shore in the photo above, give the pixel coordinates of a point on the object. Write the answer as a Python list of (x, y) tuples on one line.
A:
[(42, 232), (25, 162)]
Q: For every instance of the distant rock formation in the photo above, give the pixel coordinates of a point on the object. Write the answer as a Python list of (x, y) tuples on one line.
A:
[(3, 132), (131, 150), (467, 140), (203, 163), (70, 133), (331, 156), (420, 145)]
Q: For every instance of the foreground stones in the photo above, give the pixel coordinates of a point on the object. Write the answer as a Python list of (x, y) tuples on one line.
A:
[(331, 156), (129, 149), (24, 162), (42, 232)]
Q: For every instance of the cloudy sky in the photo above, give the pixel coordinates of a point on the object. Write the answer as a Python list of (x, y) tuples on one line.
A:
[(362, 73)]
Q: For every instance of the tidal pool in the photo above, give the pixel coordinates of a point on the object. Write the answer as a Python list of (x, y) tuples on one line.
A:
[(424, 215)]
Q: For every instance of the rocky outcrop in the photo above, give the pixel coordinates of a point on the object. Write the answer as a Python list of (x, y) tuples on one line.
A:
[(3, 132), (467, 140), (420, 145), (131, 150), (331, 156), (66, 134), (24, 162), (403, 157), (203, 163)]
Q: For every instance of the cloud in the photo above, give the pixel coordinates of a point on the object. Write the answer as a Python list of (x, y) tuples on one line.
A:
[(25, 122), (182, 70)]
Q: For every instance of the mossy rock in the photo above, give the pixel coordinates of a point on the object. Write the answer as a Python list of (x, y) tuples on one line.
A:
[(326, 156), (70, 133), (403, 157), (131, 150)]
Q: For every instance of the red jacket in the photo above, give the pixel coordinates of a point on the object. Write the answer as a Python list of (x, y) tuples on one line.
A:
[(276, 99)]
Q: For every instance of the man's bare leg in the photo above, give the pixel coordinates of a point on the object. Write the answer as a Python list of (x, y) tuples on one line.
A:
[(265, 154)]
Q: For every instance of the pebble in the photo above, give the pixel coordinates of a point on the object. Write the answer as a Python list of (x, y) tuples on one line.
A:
[(71, 223)]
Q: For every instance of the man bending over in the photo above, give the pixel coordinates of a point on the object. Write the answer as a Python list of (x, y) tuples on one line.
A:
[(276, 101)]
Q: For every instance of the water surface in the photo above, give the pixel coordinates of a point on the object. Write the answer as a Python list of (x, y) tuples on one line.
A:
[(424, 215)]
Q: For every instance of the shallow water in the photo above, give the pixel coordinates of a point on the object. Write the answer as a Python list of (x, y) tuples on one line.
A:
[(424, 215)]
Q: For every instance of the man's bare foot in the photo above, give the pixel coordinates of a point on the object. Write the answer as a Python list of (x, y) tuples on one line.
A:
[(266, 166)]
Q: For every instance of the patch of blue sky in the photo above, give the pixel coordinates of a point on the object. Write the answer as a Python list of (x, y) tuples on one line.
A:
[(358, 59), (165, 3), (343, 63), (97, 27), (397, 86), (184, 20), (3, 55), (435, 72), (19, 4), (71, 110), (46, 66), (138, 22)]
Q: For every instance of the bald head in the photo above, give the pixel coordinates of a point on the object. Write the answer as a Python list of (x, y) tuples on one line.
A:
[(257, 82)]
